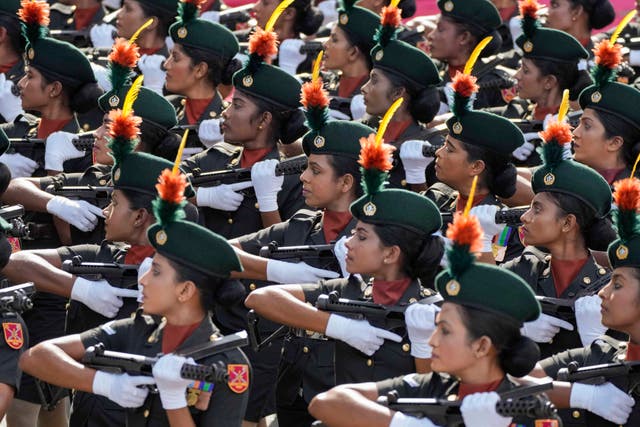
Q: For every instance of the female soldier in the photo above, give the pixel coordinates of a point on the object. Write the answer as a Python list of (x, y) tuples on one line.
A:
[(11, 64), (264, 111), (580, 17), (181, 287), (392, 243), (476, 343)]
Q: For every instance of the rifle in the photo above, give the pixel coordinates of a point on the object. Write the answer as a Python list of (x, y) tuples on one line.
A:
[(509, 216), (255, 338), (599, 374), (78, 38), (530, 126), (109, 271), (16, 299), (322, 254), (292, 166), (84, 192), (99, 358), (13, 215), (231, 17)]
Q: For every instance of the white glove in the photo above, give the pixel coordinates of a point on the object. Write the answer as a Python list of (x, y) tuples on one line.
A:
[(19, 165), (79, 213), (144, 266), (605, 400), (154, 75), (401, 420), (329, 11), (100, 296), (211, 16), (102, 35), (413, 161), (289, 272), (266, 184), (479, 410), (634, 58), (289, 56), (59, 149), (10, 105), (523, 152), (171, 385), (209, 132), (548, 119), (589, 319), (544, 328), (357, 107), (168, 41), (421, 322), (123, 389), (112, 4), (223, 197), (359, 334), (487, 216), (102, 76), (340, 251)]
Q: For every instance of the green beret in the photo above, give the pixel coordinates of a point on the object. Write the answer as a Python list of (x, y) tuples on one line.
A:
[(60, 61), (406, 61), (398, 207), (336, 137), (140, 171), (490, 288), (575, 179), (170, 6), (10, 7), (193, 245), (206, 35), (479, 13), (149, 105), (625, 254), (360, 24), (270, 84), (552, 45), (614, 98), (486, 130)]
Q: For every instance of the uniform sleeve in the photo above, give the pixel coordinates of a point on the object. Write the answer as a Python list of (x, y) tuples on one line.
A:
[(91, 253), (112, 334), (254, 241), (408, 386), (14, 342), (600, 351), (313, 291)]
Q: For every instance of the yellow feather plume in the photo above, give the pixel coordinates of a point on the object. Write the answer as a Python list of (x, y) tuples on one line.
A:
[(276, 14), (386, 119), (564, 105), (315, 74), (472, 193), (476, 54), (394, 3), (135, 35), (183, 143), (627, 18), (132, 95)]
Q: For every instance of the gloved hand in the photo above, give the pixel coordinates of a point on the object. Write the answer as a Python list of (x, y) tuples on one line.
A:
[(357, 107), (102, 35), (123, 389), (329, 11), (413, 161), (548, 119), (144, 266), (168, 41), (102, 76), (479, 410), (290, 57), (523, 152), (224, 197), (19, 165), (154, 75), (171, 385), (421, 322), (340, 251), (266, 184), (79, 213), (289, 272), (589, 319), (211, 16), (209, 132), (401, 420), (487, 216), (100, 296), (605, 400), (359, 334), (112, 4), (10, 105), (58, 149), (544, 328)]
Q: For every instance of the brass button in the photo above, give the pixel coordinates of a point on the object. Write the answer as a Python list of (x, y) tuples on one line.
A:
[(230, 220), (257, 206), (213, 114), (67, 305), (403, 182), (235, 161), (86, 126), (252, 286), (586, 280), (575, 414), (452, 397), (369, 362), (70, 21), (406, 347), (183, 101), (305, 349), (602, 271), (103, 182), (213, 337), (412, 300), (146, 413)]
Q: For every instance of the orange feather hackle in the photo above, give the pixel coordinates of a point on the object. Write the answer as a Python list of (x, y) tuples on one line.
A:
[(627, 194), (124, 53), (465, 84), (198, 3), (171, 186), (558, 131), (314, 95), (34, 12), (607, 54), (124, 125), (466, 231), (391, 16), (263, 43), (374, 155), (529, 8)]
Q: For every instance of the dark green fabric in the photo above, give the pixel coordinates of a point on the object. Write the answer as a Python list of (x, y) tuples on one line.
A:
[(406, 61), (61, 61), (10, 7), (149, 105), (271, 84), (360, 24), (398, 207), (490, 288), (337, 137), (615, 98), (486, 130), (4, 142), (206, 35), (481, 13), (625, 254), (195, 247), (552, 45)]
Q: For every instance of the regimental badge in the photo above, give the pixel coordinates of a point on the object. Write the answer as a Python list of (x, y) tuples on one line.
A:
[(457, 128), (114, 101), (182, 32), (319, 141), (452, 287), (116, 175), (527, 46), (448, 6), (31, 54), (247, 81), (379, 55), (238, 378), (13, 335), (596, 97), (344, 18), (549, 179), (369, 209), (161, 237), (540, 423), (622, 252)]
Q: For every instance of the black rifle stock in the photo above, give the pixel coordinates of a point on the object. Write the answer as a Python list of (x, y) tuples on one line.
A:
[(13, 215), (599, 374), (17, 298), (83, 192), (321, 256), (109, 271), (509, 216)]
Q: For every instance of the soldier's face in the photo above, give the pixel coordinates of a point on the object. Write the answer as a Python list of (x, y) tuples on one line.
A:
[(182, 74), (366, 253), (130, 18), (444, 41), (544, 224), (452, 164), (338, 52), (321, 187), (590, 143), (120, 219), (161, 290), (263, 10), (241, 120), (35, 93), (378, 93), (561, 15), (532, 85), (621, 300), (100, 149)]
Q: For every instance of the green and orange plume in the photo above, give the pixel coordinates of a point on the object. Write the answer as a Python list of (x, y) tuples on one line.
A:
[(608, 55), (168, 207), (626, 197), (556, 136), (35, 19), (123, 59), (463, 88), (529, 17), (315, 99), (390, 20), (188, 10), (465, 233), (376, 156), (263, 43), (124, 126)]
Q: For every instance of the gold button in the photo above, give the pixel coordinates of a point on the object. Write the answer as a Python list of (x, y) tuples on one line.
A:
[(369, 362), (183, 101), (257, 206), (70, 21), (406, 347), (213, 337), (586, 280), (67, 305), (575, 414), (252, 287), (452, 397), (412, 300), (403, 182), (103, 182), (602, 271), (235, 161), (213, 114), (305, 349), (230, 220), (146, 413)]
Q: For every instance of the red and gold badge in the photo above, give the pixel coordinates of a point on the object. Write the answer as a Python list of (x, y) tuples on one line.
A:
[(13, 335), (238, 378)]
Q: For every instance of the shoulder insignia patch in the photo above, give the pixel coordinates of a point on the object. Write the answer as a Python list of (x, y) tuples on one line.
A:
[(238, 380), (13, 335)]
